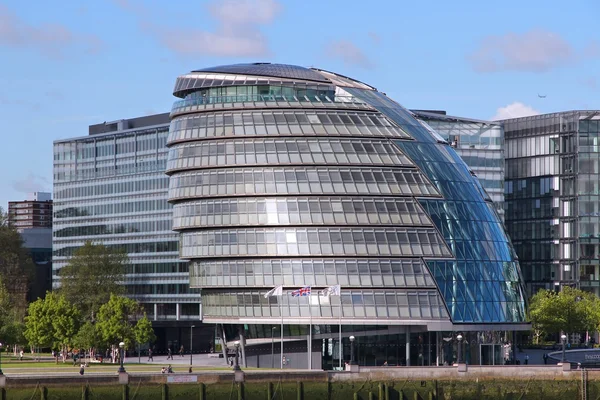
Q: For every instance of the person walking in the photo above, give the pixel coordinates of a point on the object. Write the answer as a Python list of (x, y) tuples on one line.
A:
[(181, 351), (545, 358), (150, 358), (169, 354), (526, 359)]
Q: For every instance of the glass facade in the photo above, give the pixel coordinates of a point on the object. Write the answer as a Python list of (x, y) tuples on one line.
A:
[(281, 175), (552, 198), (110, 188), (481, 146)]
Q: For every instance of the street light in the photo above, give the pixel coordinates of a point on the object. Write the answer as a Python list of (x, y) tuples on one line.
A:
[(122, 347), (1, 373), (191, 336), (351, 349), (459, 338), (236, 367), (563, 337), (273, 347)]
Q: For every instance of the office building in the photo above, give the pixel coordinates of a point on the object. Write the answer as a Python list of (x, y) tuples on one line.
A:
[(552, 198), (284, 175), (35, 212), (479, 143), (39, 243), (110, 188)]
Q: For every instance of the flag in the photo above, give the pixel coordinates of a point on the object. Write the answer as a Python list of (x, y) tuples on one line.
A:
[(334, 290), (305, 291), (276, 291)]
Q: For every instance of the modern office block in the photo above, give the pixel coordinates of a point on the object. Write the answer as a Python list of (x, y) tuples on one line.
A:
[(39, 243), (283, 175), (110, 188), (552, 198), (479, 143)]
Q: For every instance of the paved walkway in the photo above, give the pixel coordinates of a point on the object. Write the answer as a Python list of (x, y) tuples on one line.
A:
[(200, 360), (536, 357)]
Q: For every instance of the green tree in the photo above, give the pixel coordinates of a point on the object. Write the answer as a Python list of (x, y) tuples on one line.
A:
[(93, 274), (16, 267), (87, 338), (52, 321), (11, 325), (569, 311), (143, 332), (38, 324), (115, 321)]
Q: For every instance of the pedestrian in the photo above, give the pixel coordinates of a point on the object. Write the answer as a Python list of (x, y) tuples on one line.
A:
[(526, 359), (190, 370), (169, 354), (545, 358), (21, 355), (81, 370), (150, 355), (181, 351), (169, 369), (163, 370)]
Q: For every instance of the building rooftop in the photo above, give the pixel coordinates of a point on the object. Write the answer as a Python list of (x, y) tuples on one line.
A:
[(268, 69)]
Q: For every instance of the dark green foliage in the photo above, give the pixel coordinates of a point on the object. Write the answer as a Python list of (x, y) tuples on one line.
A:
[(93, 274), (16, 267)]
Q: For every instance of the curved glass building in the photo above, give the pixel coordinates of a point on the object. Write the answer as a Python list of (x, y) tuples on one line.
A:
[(283, 175)]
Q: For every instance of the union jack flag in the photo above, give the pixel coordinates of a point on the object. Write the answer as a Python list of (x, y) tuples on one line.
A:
[(305, 291)]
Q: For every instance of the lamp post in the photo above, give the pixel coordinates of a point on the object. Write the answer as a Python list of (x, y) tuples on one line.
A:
[(563, 337), (191, 337), (459, 338), (273, 347), (236, 367), (1, 373), (351, 349), (122, 349)]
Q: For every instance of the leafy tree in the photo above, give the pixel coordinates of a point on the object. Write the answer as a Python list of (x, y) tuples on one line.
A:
[(38, 324), (87, 338), (11, 325), (570, 310), (16, 267), (115, 320), (52, 321), (93, 274), (143, 332)]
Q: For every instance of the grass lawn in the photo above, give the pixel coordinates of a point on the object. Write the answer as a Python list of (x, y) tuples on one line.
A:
[(18, 367)]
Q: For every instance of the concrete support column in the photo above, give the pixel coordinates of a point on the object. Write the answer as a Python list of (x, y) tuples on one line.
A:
[(437, 349), (243, 347), (408, 346), (155, 311), (224, 344), (177, 312)]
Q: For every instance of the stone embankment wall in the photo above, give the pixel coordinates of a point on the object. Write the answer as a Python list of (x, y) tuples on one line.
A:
[(507, 382)]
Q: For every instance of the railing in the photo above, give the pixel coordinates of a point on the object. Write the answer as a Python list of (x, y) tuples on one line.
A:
[(180, 105)]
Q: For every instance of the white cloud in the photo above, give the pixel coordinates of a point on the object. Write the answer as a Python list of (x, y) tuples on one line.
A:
[(50, 39), (237, 34), (534, 51), (514, 110), (32, 183), (244, 12), (349, 53)]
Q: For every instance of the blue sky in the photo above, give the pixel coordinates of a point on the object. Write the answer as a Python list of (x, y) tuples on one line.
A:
[(65, 65)]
